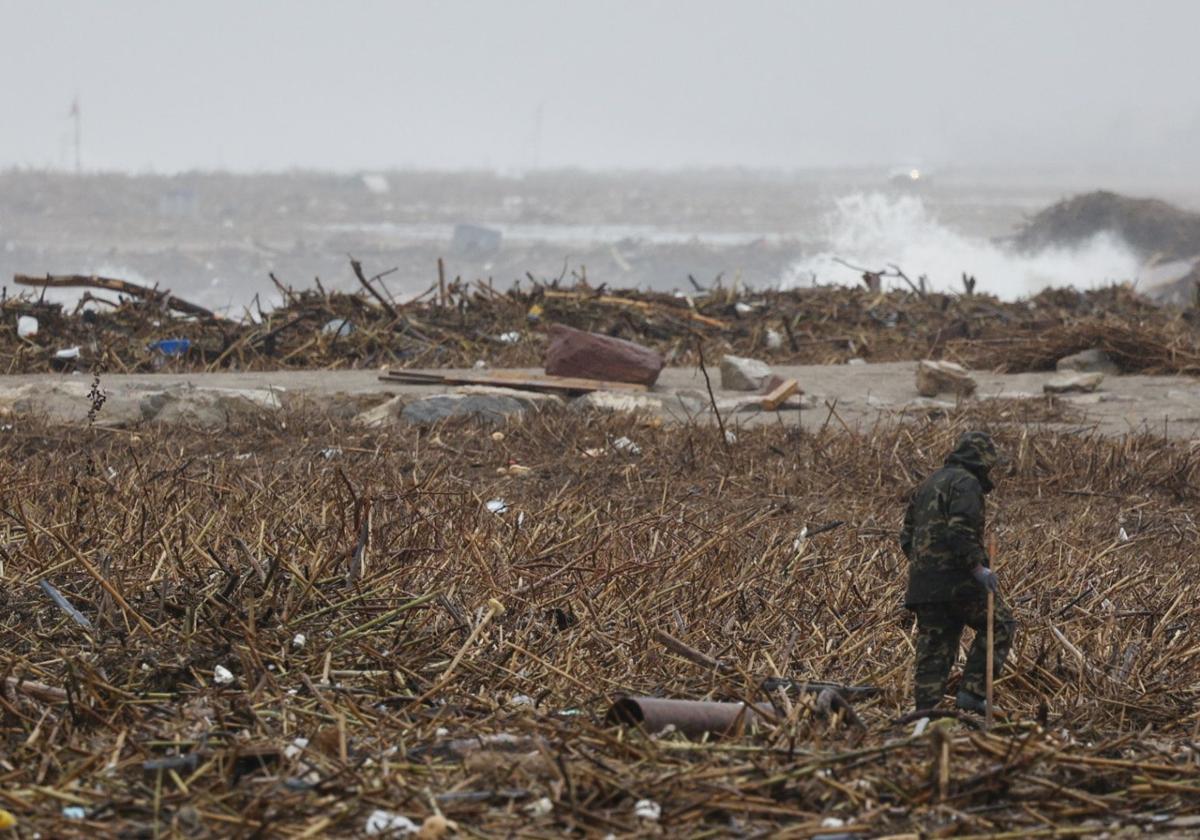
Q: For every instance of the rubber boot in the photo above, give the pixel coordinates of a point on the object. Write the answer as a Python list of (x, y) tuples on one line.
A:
[(969, 701)]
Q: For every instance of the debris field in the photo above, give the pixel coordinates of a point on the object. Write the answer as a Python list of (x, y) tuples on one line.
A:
[(302, 628), (459, 324)]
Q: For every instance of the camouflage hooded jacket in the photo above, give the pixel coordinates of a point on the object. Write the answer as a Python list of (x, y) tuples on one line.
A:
[(943, 526)]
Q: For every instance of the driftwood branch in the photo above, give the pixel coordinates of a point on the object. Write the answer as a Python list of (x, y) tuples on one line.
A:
[(124, 287), (362, 278)]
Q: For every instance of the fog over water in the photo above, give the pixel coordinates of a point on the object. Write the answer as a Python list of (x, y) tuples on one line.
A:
[(804, 109)]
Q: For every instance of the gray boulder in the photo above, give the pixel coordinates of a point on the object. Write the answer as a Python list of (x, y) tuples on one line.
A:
[(740, 374), (210, 408), (1080, 383), (1088, 361)]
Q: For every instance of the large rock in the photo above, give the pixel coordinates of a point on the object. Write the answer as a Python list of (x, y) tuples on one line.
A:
[(490, 408), (935, 378), (739, 374), (210, 408), (590, 356), (67, 401), (618, 402), (1080, 383), (1088, 361)]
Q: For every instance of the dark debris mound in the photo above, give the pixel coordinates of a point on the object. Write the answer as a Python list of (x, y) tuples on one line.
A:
[(1151, 226)]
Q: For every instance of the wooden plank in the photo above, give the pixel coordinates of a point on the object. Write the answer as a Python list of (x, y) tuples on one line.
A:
[(779, 395), (519, 381)]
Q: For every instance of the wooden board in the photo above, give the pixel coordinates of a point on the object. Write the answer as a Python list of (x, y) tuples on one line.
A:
[(519, 381), (779, 395)]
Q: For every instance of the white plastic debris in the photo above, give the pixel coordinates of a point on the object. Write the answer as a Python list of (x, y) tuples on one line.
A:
[(244, 456), (774, 339), (294, 749), (67, 354), (299, 641), (730, 437), (743, 308), (624, 444), (480, 364), (594, 453), (497, 436), (441, 732), (389, 822), (112, 474), (222, 675), (338, 327), (497, 506), (832, 822), (521, 700), (509, 337), (647, 809), (27, 326), (1122, 536), (74, 812), (540, 808), (331, 452), (856, 361), (921, 726)]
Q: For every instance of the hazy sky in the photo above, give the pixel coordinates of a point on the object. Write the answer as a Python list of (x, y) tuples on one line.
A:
[(247, 85)]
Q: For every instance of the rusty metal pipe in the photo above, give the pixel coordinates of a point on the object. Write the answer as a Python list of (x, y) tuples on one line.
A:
[(694, 718)]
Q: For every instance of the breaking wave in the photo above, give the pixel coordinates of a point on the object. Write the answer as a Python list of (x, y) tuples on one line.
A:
[(875, 230)]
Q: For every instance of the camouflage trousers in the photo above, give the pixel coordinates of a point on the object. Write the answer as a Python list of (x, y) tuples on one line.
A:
[(939, 628)]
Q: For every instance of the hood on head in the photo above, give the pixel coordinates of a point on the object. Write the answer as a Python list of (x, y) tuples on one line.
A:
[(976, 452)]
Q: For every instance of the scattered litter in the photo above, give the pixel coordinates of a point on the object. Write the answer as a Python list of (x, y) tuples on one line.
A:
[(480, 364), (295, 749), (299, 641), (521, 700), (389, 822), (331, 452), (172, 346), (7, 820), (222, 675), (27, 326), (514, 470), (535, 313), (509, 338), (730, 437), (497, 436), (594, 453), (647, 809), (74, 812), (774, 339), (624, 444), (832, 822), (338, 328), (243, 456), (856, 361), (743, 308), (920, 728), (497, 506), (540, 808), (67, 354), (435, 826), (1122, 536)]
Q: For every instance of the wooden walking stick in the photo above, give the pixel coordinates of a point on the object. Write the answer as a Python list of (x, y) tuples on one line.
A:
[(991, 624)]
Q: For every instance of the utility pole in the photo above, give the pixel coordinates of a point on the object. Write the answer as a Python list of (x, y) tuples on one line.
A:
[(76, 117)]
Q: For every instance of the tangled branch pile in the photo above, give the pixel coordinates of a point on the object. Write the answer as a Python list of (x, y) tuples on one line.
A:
[(291, 627), (467, 323)]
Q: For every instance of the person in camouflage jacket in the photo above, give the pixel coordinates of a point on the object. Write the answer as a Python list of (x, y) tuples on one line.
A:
[(950, 575)]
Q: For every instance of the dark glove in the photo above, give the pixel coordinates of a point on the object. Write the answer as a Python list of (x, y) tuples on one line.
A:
[(987, 578)]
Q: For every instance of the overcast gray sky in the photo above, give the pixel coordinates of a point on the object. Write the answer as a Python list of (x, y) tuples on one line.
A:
[(618, 83)]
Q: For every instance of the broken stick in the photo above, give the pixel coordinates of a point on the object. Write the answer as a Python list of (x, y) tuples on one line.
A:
[(124, 287)]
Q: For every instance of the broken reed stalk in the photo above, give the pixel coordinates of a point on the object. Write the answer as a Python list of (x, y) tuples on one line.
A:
[(711, 397)]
